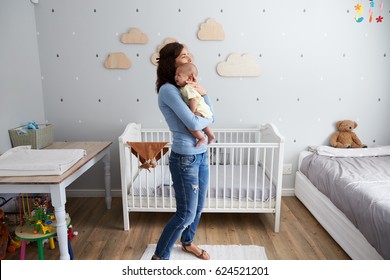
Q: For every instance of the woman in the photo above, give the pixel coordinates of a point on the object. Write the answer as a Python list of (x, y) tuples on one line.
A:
[(188, 164)]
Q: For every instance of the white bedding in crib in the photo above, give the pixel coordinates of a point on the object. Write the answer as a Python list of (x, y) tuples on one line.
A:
[(233, 181)]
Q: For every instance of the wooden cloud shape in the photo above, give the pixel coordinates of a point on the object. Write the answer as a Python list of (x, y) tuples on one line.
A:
[(117, 61), (134, 36), (237, 65), (156, 55), (211, 31)]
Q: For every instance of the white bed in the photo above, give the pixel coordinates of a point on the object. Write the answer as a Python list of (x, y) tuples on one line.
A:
[(340, 225), (245, 173)]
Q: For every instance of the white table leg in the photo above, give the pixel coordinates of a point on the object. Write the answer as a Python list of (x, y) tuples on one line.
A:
[(58, 197), (107, 178)]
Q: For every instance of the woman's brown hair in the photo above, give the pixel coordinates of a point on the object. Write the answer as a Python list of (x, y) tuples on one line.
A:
[(166, 67)]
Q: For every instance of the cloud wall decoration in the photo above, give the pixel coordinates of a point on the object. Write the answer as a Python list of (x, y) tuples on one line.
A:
[(117, 61), (237, 65), (211, 31), (134, 36)]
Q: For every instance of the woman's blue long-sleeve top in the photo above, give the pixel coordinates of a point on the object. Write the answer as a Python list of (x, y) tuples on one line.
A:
[(180, 120)]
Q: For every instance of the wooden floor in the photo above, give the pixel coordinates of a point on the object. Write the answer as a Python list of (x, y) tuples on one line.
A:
[(101, 236)]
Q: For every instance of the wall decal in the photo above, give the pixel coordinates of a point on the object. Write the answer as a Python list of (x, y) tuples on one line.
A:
[(134, 36), (117, 61), (238, 65), (155, 56), (360, 10), (380, 18), (211, 31)]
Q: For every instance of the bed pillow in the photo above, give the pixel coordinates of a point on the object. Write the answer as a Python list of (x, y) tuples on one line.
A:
[(355, 152)]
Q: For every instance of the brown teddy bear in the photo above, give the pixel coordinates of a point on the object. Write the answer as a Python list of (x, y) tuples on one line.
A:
[(344, 137)]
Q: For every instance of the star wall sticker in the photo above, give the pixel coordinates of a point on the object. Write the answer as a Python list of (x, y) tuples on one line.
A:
[(379, 19), (372, 3)]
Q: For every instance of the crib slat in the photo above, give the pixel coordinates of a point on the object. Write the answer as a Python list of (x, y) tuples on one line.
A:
[(232, 180), (256, 174), (263, 182), (248, 178), (224, 177)]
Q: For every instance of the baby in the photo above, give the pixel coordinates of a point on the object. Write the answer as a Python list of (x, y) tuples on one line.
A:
[(186, 73)]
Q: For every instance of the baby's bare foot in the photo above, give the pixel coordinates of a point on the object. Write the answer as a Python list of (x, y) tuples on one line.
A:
[(200, 142), (211, 139)]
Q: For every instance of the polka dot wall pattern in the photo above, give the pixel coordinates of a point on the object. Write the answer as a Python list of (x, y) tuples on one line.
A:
[(318, 65)]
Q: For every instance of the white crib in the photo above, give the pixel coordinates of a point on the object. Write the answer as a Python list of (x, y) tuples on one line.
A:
[(245, 173)]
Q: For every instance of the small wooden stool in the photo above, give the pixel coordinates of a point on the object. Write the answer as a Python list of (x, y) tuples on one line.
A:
[(26, 233)]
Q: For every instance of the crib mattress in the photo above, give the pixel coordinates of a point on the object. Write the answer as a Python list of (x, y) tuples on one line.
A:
[(226, 181), (217, 205)]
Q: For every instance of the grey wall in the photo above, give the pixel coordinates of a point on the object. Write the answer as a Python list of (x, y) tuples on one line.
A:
[(21, 98), (318, 66)]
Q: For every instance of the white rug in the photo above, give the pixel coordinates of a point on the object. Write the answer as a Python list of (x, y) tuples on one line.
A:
[(216, 252)]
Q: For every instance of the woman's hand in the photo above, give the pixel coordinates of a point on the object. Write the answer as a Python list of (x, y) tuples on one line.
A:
[(198, 87)]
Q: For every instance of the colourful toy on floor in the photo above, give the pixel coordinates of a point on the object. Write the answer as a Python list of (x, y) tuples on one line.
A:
[(4, 232), (13, 244), (38, 224), (71, 234), (37, 211), (26, 234)]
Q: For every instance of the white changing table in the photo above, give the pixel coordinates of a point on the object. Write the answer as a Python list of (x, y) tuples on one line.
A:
[(55, 185)]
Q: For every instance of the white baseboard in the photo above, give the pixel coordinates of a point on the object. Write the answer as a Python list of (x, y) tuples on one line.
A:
[(288, 191)]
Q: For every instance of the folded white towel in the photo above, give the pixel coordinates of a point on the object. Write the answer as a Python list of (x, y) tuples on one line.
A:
[(24, 161)]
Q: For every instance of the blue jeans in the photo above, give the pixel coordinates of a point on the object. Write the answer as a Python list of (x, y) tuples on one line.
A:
[(190, 176)]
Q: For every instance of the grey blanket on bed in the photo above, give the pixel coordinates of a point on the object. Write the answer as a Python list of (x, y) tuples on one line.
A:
[(360, 188)]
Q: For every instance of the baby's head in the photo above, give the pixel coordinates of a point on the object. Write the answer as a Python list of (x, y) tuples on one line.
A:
[(186, 72)]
